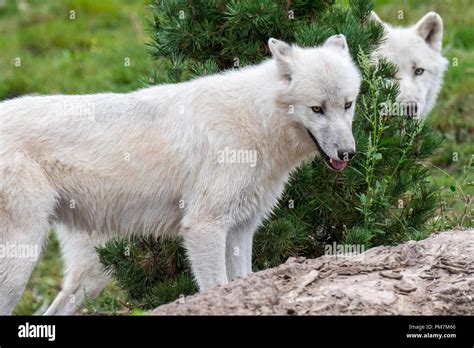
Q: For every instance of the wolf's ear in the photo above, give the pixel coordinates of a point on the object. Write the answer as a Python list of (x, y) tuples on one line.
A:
[(338, 41), (430, 28), (374, 18), (283, 54)]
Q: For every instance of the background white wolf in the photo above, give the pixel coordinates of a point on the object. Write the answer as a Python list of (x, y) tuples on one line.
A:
[(416, 51), (104, 165)]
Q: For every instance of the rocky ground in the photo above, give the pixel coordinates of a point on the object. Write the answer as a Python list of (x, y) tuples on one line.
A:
[(433, 276)]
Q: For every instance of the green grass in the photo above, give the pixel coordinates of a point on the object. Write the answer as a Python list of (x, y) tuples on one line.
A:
[(87, 55), (82, 55)]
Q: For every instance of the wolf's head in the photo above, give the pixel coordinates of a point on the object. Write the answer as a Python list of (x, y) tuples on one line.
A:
[(321, 87), (416, 51)]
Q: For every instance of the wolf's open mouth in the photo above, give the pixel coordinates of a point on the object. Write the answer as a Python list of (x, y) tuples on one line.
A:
[(331, 163)]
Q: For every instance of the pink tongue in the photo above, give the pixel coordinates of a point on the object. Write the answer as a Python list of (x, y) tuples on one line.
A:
[(338, 165)]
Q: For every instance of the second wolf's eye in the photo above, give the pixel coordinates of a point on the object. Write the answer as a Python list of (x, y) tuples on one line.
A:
[(317, 109), (419, 71), (347, 105)]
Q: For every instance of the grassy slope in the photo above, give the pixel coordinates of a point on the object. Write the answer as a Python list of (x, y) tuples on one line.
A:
[(86, 55), (81, 55)]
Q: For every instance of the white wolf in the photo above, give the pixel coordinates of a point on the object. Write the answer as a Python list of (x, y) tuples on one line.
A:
[(105, 165), (416, 51)]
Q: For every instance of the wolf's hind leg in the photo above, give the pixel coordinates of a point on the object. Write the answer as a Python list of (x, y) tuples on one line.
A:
[(26, 204), (83, 274), (22, 245)]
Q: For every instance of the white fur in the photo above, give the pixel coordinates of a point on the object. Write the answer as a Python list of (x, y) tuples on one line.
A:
[(106, 165), (417, 46)]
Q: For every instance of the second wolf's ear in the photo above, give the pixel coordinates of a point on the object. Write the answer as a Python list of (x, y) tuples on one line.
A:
[(338, 41), (430, 28), (374, 18), (283, 54)]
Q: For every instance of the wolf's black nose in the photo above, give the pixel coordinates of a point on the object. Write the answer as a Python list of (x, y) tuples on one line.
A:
[(345, 155)]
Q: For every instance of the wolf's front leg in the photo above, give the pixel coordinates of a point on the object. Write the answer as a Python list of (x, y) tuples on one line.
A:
[(205, 245), (239, 250)]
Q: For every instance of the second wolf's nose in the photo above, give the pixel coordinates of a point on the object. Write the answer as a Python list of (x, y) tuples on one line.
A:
[(345, 155)]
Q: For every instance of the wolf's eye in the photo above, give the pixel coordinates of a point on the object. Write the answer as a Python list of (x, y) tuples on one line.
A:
[(317, 109), (419, 71), (347, 105)]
